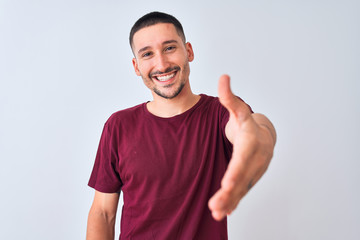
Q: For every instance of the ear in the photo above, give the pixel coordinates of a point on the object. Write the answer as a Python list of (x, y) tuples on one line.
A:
[(136, 68), (190, 52)]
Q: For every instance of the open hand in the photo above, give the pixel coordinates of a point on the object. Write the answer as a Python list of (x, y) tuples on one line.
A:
[(253, 138)]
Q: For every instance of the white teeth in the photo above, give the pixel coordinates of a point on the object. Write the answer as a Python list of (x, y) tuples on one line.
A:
[(165, 78)]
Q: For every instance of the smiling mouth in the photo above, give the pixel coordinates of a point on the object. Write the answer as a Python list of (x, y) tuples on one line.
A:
[(165, 78)]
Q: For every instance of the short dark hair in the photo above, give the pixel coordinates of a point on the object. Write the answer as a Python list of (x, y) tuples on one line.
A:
[(155, 18)]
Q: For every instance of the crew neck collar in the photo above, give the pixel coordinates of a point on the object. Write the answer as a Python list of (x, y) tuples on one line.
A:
[(181, 115)]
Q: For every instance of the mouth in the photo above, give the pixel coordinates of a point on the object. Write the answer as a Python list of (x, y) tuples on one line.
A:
[(165, 78)]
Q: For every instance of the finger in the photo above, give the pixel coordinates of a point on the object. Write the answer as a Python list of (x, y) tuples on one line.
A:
[(218, 215), (217, 205), (237, 177), (234, 185), (223, 203), (238, 167)]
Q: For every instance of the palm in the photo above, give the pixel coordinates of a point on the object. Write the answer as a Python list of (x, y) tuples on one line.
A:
[(248, 161)]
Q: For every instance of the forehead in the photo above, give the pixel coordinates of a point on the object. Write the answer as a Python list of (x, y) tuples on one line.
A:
[(154, 35)]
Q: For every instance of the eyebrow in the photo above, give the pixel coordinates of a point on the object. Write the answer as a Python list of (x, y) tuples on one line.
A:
[(147, 47)]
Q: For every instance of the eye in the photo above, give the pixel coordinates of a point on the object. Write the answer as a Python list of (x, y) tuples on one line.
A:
[(170, 48), (146, 54)]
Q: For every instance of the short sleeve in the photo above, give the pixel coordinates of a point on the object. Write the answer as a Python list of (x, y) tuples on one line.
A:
[(224, 118), (105, 174)]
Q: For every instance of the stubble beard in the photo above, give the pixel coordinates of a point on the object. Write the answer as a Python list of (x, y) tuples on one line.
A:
[(179, 88), (172, 95)]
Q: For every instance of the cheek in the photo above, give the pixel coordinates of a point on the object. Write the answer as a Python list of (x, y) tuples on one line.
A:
[(141, 71), (186, 66), (145, 68)]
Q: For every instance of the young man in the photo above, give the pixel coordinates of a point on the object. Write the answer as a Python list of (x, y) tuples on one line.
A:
[(183, 161)]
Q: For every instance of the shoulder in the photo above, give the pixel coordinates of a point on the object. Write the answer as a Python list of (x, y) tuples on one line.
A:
[(211, 103), (209, 100), (126, 115), (215, 102)]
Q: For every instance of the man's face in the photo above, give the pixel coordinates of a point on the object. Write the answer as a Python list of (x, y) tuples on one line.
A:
[(162, 59)]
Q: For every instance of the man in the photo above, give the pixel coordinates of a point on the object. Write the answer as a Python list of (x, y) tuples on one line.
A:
[(183, 161)]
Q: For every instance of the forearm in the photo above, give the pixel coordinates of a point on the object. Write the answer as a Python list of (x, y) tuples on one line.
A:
[(100, 226)]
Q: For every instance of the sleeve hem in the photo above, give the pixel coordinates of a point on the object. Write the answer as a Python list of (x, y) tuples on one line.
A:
[(104, 189)]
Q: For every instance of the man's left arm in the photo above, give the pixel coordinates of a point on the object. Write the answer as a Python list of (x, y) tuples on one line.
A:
[(253, 137)]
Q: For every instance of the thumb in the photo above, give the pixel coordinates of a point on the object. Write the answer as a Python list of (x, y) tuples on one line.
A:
[(226, 97), (231, 102)]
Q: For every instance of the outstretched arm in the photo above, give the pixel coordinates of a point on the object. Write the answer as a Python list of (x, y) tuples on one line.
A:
[(253, 137), (102, 215)]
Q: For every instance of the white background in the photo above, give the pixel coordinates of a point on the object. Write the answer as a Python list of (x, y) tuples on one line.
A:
[(65, 66)]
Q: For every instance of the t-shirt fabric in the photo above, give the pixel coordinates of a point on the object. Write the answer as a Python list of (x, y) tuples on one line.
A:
[(167, 169)]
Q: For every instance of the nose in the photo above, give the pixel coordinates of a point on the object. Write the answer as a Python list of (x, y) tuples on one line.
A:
[(162, 63)]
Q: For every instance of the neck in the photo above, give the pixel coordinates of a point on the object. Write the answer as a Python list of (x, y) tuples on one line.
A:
[(166, 108)]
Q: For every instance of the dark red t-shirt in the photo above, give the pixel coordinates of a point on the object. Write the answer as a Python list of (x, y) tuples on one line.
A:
[(167, 169)]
